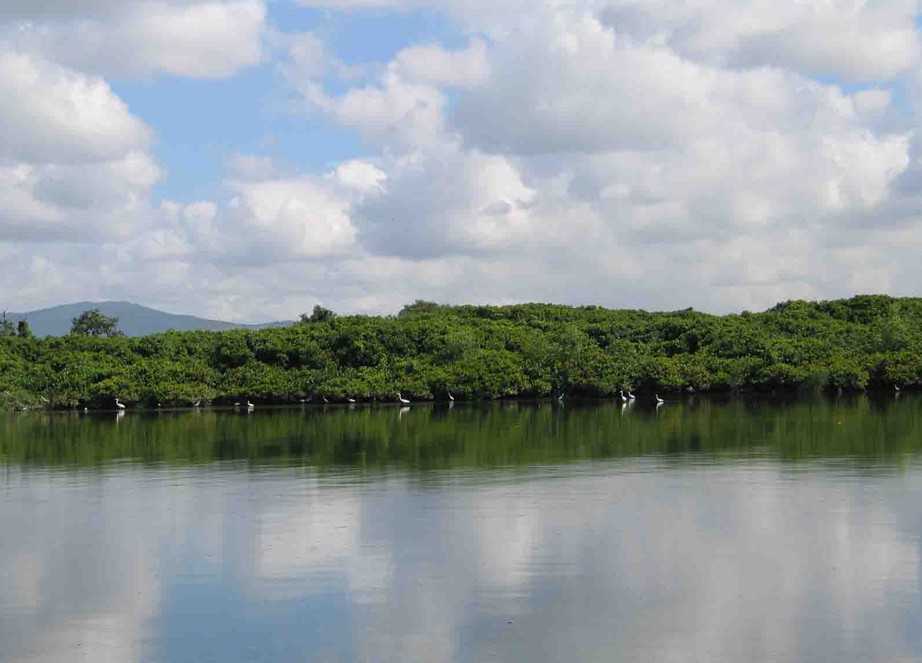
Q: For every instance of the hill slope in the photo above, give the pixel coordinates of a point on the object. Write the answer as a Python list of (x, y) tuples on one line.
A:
[(133, 319)]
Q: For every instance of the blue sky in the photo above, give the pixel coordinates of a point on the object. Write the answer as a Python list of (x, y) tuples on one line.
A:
[(248, 159), (202, 124)]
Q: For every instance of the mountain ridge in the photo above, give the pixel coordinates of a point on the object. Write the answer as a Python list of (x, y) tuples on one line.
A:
[(133, 319)]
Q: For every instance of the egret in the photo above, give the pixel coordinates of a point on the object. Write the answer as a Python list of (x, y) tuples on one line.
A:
[(630, 396), (250, 406), (350, 399), (402, 399), (197, 402), (324, 399), (450, 397), (621, 395), (120, 406), (896, 388), (560, 398), (659, 401)]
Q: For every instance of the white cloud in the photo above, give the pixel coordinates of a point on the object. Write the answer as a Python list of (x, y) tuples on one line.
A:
[(394, 112), (74, 162), (433, 65), (447, 201), (205, 39), (291, 217), (54, 114), (855, 40)]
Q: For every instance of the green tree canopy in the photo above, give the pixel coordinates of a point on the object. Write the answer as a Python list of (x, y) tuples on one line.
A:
[(6, 327), (320, 314), (95, 323)]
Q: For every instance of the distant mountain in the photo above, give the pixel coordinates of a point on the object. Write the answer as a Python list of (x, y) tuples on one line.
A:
[(133, 319)]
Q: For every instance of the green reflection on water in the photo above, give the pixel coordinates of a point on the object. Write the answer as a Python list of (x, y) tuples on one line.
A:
[(472, 435)]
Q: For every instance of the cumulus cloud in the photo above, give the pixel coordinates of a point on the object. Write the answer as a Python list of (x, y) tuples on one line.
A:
[(74, 162), (445, 202), (432, 64), (55, 114), (858, 41), (205, 39)]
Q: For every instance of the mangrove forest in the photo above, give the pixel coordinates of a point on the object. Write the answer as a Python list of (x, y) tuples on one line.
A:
[(475, 352)]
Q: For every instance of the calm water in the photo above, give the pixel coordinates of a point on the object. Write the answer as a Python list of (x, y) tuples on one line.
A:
[(708, 530)]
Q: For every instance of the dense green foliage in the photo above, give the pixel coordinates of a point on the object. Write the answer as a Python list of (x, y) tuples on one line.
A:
[(531, 350)]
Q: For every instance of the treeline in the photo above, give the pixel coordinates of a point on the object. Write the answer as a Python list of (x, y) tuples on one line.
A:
[(480, 352)]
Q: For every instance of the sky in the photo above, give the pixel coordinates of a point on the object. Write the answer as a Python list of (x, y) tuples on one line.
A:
[(249, 159)]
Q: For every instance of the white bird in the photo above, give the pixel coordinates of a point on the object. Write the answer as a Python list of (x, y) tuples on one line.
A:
[(630, 396), (401, 398), (659, 401), (250, 406), (324, 399), (120, 406), (450, 397), (196, 403), (621, 395), (896, 388), (560, 398), (350, 399)]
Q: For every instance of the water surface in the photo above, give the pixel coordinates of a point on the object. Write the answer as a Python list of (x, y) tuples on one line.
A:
[(703, 530)]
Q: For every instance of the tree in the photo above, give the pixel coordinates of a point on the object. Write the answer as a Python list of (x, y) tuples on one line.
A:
[(6, 327), (23, 330), (94, 323), (420, 306), (320, 314)]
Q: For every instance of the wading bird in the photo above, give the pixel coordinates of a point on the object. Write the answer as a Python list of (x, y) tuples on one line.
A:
[(120, 406), (659, 401), (402, 399), (450, 397)]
